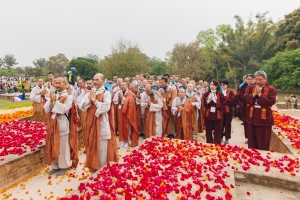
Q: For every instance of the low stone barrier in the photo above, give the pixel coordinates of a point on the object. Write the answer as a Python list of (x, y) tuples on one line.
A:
[(17, 168)]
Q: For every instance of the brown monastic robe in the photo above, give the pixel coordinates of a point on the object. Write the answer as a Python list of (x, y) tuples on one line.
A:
[(39, 113), (126, 118), (150, 126), (184, 123), (260, 117), (53, 137), (167, 116)]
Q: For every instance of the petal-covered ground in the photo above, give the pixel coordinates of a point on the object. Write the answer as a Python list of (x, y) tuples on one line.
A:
[(7, 117), (171, 169), (19, 136), (289, 126)]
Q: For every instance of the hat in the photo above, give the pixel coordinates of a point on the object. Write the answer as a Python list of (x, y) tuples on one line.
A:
[(225, 82), (73, 69)]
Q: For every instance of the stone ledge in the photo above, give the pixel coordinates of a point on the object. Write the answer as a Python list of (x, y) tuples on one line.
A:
[(18, 168), (269, 181)]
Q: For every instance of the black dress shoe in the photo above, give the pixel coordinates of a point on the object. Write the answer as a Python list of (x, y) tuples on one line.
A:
[(142, 134), (171, 136)]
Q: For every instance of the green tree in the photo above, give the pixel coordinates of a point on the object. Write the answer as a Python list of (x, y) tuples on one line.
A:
[(187, 61), (125, 59), (153, 61), (159, 68), (288, 32), (9, 61), (34, 71), (283, 70), (19, 70), (39, 62), (233, 52), (93, 57), (85, 67), (57, 64)]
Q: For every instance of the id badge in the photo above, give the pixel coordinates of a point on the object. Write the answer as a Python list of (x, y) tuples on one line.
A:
[(120, 106), (212, 109), (257, 106)]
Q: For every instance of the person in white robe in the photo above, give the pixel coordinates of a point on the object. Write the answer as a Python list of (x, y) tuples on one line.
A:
[(37, 95), (153, 107), (123, 90), (102, 111), (61, 110)]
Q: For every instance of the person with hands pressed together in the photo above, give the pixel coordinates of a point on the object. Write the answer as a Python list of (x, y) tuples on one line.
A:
[(126, 115), (37, 95), (229, 103), (213, 101), (182, 110), (61, 139), (153, 103), (98, 137), (260, 97)]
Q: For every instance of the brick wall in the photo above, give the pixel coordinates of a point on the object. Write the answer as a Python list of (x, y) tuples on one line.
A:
[(26, 165), (277, 145), (270, 181)]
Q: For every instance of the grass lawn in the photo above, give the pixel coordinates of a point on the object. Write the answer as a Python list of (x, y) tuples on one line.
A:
[(8, 104)]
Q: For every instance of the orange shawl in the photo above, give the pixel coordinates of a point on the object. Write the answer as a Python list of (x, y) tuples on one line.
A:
[(165, 113), (150, 126), (53, 137), (194, 114), (112, 148), (184, 129), (167, 121), (92, 130), (188, 110), (129, 111)]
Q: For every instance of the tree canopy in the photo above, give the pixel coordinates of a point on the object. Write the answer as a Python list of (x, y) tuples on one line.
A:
[(85, 67), (125, 59), (39, 62), (57, 64), (235, 51), (288, 32), (187, 60), (284, 70)]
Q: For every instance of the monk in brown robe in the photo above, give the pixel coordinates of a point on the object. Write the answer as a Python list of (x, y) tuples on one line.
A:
[(153, 103), (168, 93), (37, 95), (213, 101), (62, 138), (229, 103), (100, 141), (182, 109), (137, 95), (126, 116), (260, 98), (192, 96)]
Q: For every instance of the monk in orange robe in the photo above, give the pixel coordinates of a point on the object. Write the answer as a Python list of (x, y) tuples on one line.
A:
[(126, 114), (62, 137), (182, 109)]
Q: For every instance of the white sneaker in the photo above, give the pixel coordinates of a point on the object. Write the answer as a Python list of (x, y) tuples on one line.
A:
[(126, 144), (122, 144)]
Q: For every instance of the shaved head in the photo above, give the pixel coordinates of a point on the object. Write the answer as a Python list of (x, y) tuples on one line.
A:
[(148, 89), (62, 79), (99, 76), (98, 80)]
